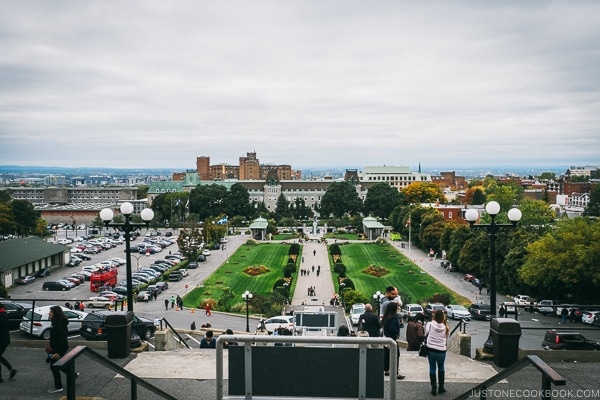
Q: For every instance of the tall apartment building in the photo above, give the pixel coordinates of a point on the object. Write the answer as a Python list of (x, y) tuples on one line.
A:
[(248, 169)]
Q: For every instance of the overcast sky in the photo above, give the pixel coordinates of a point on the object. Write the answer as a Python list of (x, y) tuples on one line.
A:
[(306, 83)]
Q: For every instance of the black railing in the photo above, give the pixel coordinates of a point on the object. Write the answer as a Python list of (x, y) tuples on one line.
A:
[(549, 377), (67, 365), (461, 324), (172, 329)]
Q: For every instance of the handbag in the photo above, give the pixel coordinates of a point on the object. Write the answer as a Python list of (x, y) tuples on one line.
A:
[(361, 332)]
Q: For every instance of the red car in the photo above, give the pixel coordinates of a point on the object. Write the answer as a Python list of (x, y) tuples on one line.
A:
[(469, 277)]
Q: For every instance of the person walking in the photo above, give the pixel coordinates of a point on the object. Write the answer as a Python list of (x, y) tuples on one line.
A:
[(58, 344), (369, 322), (4, 342), (415, 332), (207, 309), (437, 332), (391, 329), (172, 301)]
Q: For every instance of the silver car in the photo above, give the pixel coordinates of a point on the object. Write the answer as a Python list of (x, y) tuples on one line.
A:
[(40, 326)]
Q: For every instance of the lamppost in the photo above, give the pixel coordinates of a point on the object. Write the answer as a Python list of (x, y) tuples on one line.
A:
[(493, 208), (106, 214), (377, 297), (247, 296)]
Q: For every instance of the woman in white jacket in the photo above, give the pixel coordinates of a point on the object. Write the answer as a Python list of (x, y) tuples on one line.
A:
[(437, 332)]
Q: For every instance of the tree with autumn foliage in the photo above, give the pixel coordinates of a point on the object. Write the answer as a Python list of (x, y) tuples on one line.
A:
[(423, 192)]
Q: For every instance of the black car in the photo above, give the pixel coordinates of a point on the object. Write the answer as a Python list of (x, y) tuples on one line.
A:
[(93, 326), (42, 273), (201, 258), (14, 312), (555, 340), (480, 311)]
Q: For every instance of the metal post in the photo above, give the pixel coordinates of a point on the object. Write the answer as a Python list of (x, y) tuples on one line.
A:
[(127, 229), (493, 232)]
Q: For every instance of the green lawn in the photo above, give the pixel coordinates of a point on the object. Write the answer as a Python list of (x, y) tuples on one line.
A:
[(403, 274), (231, 275)]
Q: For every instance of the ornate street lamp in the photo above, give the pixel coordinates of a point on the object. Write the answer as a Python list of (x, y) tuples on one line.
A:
[(377, 297), (514, 215), (127, 227), (247, 296)]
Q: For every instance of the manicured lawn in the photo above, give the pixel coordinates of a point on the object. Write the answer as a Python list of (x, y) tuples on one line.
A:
[(231, 275), (403, 274)]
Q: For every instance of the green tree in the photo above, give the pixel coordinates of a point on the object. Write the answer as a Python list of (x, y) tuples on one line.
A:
[(4, 197), (565, 261), (208, 200), (189, 240), (7, 222), (238, 201), (381, 200), (547, 176), (536, 212), (282, 208), (300, 210), (340, 199), (142, 192), (25, 217), (593, 207)]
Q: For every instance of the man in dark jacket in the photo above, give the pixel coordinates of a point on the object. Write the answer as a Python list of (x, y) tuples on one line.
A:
[(4, 342), (369, 322)]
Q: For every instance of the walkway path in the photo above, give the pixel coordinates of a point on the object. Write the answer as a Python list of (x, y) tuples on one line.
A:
[(315, 255)]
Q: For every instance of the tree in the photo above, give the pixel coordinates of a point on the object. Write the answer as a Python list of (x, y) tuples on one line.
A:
[(7, 222), (189, 240), (565, 261), (382, 199), (238, 201), (423, 192), (208, 200), (536, 212), (593, 207), (282, 208), (300, 210), (25, 217), (340, 198)]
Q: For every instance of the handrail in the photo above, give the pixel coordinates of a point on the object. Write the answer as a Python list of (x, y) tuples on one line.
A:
[(549, 376), (168, 325), (67, 365), (462, 323)]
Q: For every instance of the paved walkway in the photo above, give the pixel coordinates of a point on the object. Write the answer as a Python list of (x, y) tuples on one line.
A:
[(314, 255)]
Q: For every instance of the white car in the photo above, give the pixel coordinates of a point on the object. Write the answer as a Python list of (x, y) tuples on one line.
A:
[(280, 321), (184, 272), (98, 302), (356, 311), (588, 317), (522, 300), (456, 311), (206, 252), (41, 321)]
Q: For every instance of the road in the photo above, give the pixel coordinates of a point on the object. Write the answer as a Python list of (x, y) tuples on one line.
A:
[(533, 325)]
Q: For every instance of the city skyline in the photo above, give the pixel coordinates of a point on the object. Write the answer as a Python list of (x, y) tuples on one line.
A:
[(309, 84)]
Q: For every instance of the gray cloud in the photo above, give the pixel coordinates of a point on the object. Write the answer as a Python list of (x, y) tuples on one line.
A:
[(155, 84)]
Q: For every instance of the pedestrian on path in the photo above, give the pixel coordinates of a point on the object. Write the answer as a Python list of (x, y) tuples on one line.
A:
[(4, 342), (166, 304), (58, 344), (172, 301), (437, 332)]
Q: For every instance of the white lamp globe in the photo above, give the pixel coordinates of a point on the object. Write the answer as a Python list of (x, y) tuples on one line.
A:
[(106, 214), (492, 208), (147, 214), (471, 215), (514, 214), (126, 208)]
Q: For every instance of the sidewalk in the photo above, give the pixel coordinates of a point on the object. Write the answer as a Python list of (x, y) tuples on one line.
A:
[(315, 255)]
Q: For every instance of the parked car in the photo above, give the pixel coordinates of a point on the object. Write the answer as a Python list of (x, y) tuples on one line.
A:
[(456, 311), (98, 302), (356, 311), (121, 290), (175, 276), (431, 308), (546, 307), (184, 272), (410, 310), (522, 300), (162, 286), (201, 258), (206, 252), (112, 295), (280, 321), (193, 265), (556, 340), (588, 317), (468, 277), (25, 280), (480, 311), (509, 306), (41, 321), (55, 285), (93, 326), (14, 312), (144, 295), (42, 273)]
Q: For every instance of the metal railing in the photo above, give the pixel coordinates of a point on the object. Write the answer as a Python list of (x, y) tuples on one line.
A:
[(362, 342), (67, 365), (172, 329), (549, 377)]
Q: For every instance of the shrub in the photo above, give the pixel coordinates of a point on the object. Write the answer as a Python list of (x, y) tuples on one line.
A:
[(339, 268), (334, 249)]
